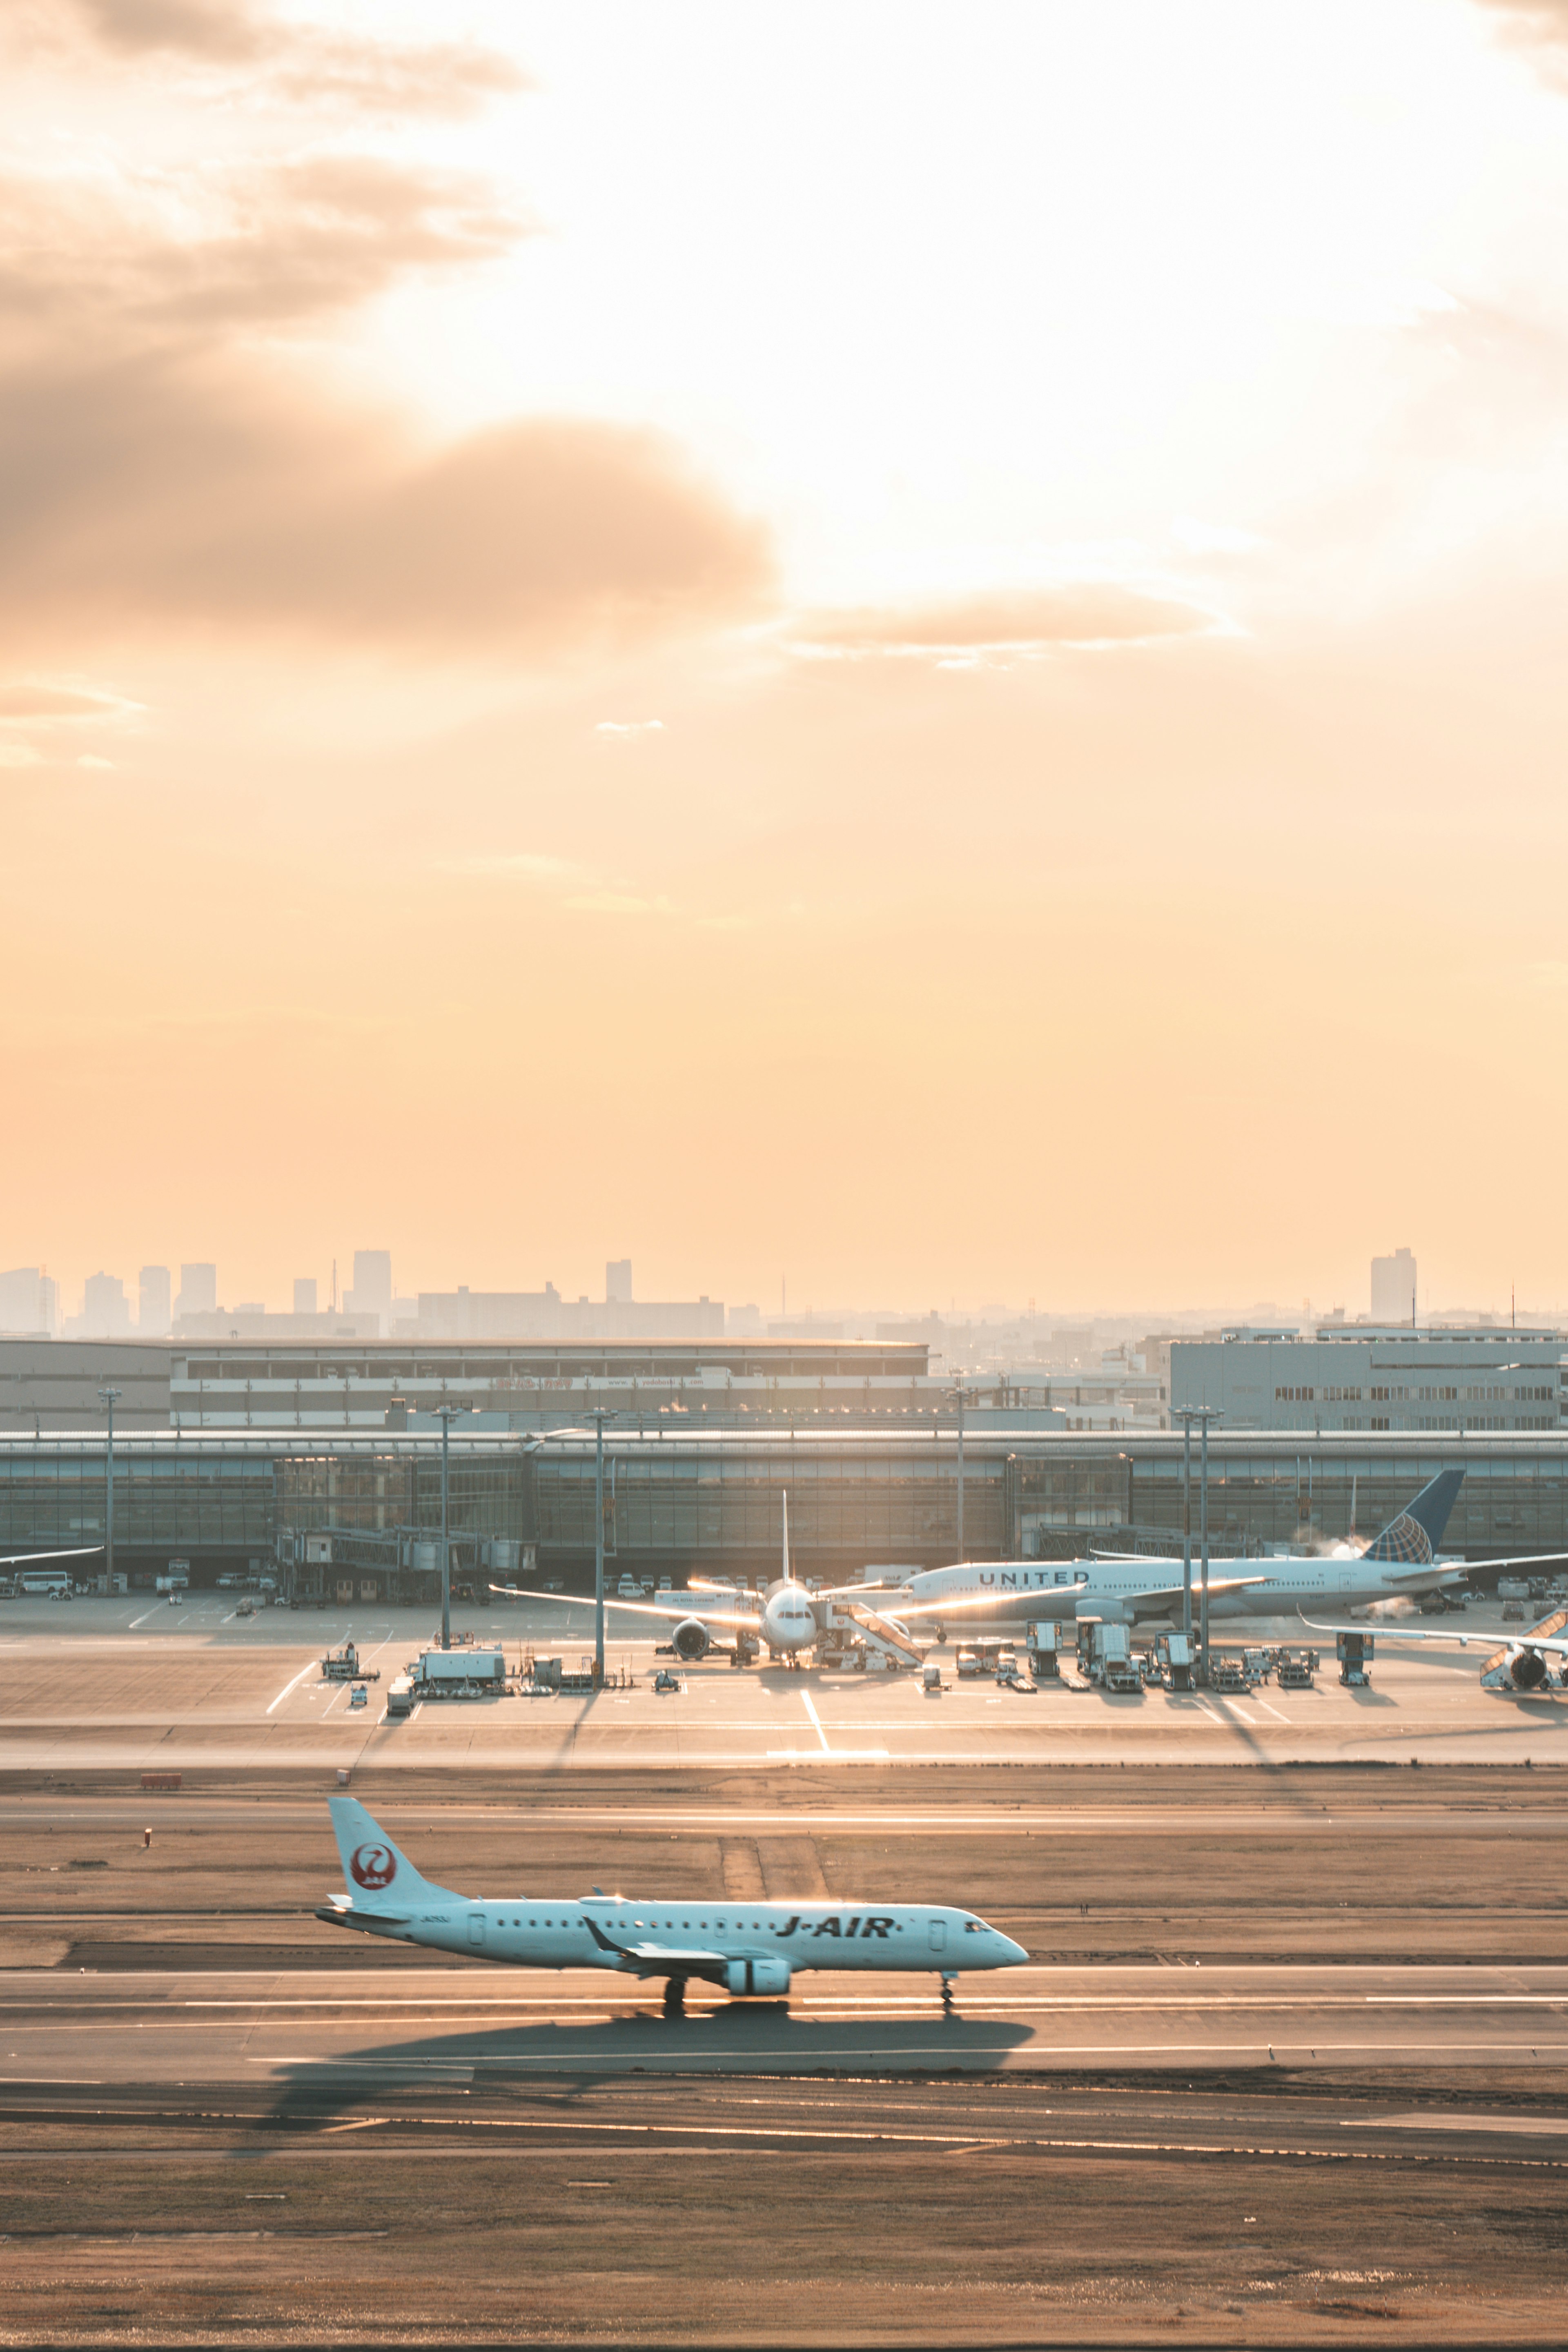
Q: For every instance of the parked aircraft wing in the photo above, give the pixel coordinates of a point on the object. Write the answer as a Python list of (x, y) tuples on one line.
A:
[(1484, 1636), (20, 1559), (1216, 1585), (667, 1616)]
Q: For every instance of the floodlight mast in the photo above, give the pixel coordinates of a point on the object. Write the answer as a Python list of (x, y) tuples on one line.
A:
[(957, 1394), (598, 1547), (445, 1413), (1203, 1414), (109, 1398)]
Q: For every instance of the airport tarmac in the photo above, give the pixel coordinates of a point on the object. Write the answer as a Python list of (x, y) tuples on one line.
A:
[(490, 2024), (135, 1684)]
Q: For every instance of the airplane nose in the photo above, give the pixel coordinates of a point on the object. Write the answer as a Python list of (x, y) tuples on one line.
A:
[(1013, 1954)]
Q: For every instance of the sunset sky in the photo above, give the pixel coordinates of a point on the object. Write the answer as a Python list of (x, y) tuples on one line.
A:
[(923, 648)]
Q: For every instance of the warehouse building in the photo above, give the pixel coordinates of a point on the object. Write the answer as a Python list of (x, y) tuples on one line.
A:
[(1359, 1376)]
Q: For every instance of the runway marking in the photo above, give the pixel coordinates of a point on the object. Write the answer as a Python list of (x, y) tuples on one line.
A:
[(1273, 1711), (817, 1721), (311, 1666)]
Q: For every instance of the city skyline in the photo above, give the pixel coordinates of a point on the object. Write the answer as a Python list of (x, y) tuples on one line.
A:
[(907, 650)]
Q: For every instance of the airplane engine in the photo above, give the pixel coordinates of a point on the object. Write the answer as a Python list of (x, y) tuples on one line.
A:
[(1528, 1671), (689, 1640), (1113, 1613), (757, 1975)]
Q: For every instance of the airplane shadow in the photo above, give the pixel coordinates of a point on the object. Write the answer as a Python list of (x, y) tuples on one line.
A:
[(745, 2037)]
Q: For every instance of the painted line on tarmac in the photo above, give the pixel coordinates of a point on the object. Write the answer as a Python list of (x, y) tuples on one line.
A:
[(312, 1665)]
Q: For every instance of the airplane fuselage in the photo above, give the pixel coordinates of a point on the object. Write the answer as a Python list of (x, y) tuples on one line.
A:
[(649, 1938), (1100, 1588)]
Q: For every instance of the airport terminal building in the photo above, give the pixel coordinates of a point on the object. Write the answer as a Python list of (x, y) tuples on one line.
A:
[(332, 1508)]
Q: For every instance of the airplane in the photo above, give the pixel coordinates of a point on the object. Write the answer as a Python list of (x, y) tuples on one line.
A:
[(788, 1619), (744, 1946), (1519, 1668), (1402, 1560)]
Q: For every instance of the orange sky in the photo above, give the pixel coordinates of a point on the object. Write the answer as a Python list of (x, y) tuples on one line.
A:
[(920, 646)]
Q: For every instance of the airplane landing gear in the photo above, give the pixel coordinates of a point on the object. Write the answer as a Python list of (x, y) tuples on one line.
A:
[(674, 1997), (947, 2008)]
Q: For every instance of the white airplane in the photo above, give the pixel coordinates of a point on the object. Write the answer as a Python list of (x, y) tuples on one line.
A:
[(1517, 1668), (788, 1619), (1403, 1562), (744, 1946)]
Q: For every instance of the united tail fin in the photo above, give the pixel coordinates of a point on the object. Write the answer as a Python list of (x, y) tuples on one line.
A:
[(1414, 1536), (378, 1874)]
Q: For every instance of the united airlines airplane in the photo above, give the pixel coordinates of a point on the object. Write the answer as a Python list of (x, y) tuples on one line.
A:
[(1403, 1562), (744, 1946)]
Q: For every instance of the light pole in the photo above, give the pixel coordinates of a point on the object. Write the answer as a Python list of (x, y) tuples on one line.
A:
[(958, 1393), (599, 1548), (445, 1411), (1203, 1414), (109, 1397)]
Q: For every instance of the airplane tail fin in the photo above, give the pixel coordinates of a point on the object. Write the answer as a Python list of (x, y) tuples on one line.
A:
[(373, 1869), (1416, 1534)]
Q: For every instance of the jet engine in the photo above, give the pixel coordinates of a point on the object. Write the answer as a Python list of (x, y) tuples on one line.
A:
[(1110, 1612), (1528, 1671), (757, 1975), (690, 1640)]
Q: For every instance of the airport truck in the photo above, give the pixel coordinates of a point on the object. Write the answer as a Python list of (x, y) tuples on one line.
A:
[(460, 1673)]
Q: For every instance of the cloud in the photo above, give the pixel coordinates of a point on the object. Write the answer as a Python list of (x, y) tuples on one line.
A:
[(27, 701), (301, 65), (617, 902), (91, 760), (234, 245), (520, 865), (622, 726), (157, 490), (1004, 621)]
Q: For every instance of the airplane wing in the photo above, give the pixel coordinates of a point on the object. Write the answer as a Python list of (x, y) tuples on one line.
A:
[(631, 1608), (1516, 1560), (20, 1559), (1485, 1637), (657, 1960)]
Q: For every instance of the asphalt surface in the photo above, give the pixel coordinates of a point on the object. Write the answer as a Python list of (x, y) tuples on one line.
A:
[(486, 2024), (132, 1684)]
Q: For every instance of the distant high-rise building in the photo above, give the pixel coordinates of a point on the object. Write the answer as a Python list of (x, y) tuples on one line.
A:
[(619, 1282), (372, 1292), (21, 1305), (153, 1302), (198, 1290), (304, 1294), (49, 1304), (1393, 1289), (105, 1309)]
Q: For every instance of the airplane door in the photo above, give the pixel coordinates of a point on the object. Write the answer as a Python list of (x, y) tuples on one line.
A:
[(476, 1927), (939, 1935)]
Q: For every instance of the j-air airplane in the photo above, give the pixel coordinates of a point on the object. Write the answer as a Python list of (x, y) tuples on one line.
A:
[(743, 1946)]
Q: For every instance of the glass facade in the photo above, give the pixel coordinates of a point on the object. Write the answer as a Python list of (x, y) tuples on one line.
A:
[(716, 1499)]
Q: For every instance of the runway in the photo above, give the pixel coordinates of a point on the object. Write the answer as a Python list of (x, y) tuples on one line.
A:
[(487, 2026)]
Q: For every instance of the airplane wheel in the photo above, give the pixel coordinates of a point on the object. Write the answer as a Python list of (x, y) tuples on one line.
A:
[(674, 1997), (947, 2008)]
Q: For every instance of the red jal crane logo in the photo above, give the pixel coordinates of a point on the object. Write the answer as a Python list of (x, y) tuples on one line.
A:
[(374, 1866)]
